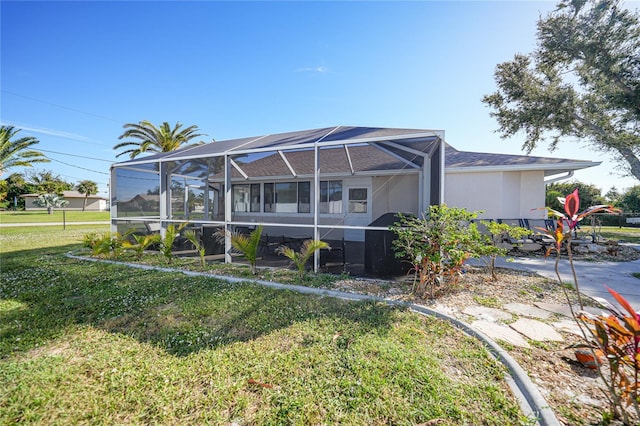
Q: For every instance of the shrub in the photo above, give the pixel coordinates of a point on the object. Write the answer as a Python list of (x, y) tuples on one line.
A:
[(436, 244)]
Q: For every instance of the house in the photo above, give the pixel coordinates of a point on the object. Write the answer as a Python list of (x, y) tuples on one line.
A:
[(501, 185), (75, 201), (328, 183)]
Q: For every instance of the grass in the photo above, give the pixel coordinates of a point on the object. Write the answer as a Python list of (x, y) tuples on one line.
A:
[(627, 234), (94, 343), (56, 216)]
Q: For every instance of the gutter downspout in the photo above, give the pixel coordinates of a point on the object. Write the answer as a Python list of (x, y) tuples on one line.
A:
[(557, 179)]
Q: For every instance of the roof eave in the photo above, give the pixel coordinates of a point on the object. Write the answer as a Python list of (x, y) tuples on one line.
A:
[(556, 168)]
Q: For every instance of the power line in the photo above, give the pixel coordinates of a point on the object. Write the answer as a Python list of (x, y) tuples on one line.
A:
[(61, 106), (77, 167), (78, 156)]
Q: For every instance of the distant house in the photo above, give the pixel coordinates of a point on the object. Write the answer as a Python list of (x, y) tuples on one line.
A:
[(330, 183), (75, 199)]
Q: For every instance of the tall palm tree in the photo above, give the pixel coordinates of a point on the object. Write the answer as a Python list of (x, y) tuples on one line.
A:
[(88, 188), (15, 153), (148, 137)]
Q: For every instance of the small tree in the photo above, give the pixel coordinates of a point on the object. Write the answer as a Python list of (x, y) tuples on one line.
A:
[(306, 251), (488, 244), (436, 244), (50, 201), (88, 188)]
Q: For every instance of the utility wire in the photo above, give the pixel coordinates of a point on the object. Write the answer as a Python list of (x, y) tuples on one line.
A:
[(77, 167), (78, 156), (60, 106)]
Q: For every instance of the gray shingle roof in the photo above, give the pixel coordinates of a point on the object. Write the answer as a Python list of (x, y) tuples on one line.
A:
[(455, 159)]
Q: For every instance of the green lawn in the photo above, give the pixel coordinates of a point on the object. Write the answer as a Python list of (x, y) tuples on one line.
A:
[(627, 234), (56, 216), (93, 343)]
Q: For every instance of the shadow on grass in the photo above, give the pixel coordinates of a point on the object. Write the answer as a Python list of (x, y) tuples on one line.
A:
[(43, 294)]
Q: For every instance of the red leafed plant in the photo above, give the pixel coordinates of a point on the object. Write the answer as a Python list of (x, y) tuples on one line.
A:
[(617, 335), (562, 235)]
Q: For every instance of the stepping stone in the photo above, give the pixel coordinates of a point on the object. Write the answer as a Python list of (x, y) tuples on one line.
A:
[(564, 309), (569, 326), (555, 308), (527, 310), (536, 330), (500, 332), (489, 314)]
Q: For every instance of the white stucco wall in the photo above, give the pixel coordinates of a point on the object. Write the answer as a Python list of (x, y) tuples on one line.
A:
[(500, 195), (392, 194)]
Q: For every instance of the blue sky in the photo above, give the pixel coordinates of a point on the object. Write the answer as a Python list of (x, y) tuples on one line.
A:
[(72, 73)]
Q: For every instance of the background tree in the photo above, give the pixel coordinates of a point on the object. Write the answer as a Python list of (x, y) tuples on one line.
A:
[(582, 81), (16, 186), (4, 191), (147, 137), (630, 200), (16, 152), (88, 188), (590, 195), (46, 182), (613, 196), (50, 201)]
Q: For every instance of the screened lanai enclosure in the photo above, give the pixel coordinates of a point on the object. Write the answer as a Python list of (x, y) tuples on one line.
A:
[(334, 184)]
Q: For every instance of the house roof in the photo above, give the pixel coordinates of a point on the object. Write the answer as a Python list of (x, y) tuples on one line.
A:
[(70, 194), (467, 161)]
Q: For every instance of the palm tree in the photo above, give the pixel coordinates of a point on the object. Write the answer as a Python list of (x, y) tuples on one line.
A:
[(50, 201), (306, 251), (14, 152), (155, 139), (88, 188)]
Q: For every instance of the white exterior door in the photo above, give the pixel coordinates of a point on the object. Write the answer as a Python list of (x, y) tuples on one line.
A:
[(357, 206)]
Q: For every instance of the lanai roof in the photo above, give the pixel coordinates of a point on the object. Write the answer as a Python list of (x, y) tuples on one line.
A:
[(327, 136), (373, 149)]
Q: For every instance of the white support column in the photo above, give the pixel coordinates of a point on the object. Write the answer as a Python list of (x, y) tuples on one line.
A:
[(113, 206), (165, 197), (425, 181), (442, 166), (227, 207), (316, 204)]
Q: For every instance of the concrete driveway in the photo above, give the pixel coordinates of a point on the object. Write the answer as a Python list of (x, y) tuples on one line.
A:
[(593, 277)]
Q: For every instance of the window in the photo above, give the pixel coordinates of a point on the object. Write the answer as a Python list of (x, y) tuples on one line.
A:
[(304, 197), (287, 197), (246, 198), (357, 200), (330, 196)]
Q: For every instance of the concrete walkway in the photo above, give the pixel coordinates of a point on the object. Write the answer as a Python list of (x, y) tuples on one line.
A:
[(593, 277), (16, 225)]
